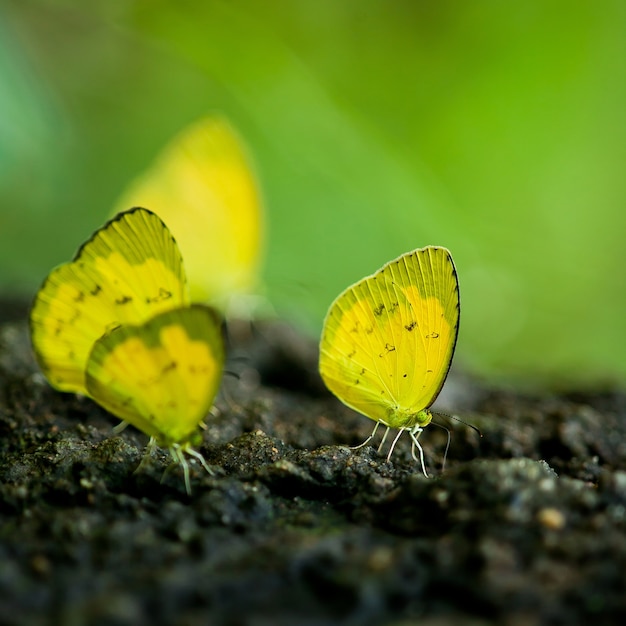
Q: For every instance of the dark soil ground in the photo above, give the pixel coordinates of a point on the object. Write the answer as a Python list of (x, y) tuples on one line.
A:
[(526, 526)]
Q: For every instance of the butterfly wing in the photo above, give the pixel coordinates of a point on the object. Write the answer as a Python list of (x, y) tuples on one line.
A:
[(203, 187), (388, 340), (128, 271), (161, 376)]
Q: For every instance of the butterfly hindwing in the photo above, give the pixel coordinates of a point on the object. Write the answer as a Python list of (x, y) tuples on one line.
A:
[(161, 376)]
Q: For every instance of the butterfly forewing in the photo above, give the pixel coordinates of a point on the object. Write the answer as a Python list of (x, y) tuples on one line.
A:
[(428, 285), (128, 271)]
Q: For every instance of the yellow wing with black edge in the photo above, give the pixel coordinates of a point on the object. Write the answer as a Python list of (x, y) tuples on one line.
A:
[(127, 272), (388, 340)]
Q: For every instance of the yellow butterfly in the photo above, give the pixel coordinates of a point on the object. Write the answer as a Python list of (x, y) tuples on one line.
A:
[(129, 271), (388, 341), (161, 376), (202, 185)]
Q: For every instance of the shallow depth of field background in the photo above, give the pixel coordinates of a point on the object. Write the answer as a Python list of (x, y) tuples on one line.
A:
[(492, 128)]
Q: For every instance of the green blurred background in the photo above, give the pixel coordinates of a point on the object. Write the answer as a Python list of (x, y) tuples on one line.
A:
[(493, 128)]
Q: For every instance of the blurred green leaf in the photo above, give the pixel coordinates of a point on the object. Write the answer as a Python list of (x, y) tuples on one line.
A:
[(494, 129)]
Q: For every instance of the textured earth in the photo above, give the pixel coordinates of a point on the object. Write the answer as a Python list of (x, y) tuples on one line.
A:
[(526, 525)]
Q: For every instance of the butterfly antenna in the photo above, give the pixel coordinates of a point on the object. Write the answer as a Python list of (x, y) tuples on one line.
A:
[(445, 454), (458, 419), (228, 398)]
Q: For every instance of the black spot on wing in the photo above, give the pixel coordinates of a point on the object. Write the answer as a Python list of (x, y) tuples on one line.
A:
[(164, 294), (172, 365), (387, 349)]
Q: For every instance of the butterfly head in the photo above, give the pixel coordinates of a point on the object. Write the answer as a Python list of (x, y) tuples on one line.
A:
[(408, 420)]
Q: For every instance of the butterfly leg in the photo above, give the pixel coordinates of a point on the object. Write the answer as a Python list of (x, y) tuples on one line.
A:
[(382, 441), (170, 467), (120, 427), (178, 458), (368, 439), (226, 395), (393, 444), (147, 453), (415, 433), (199, 457), (183, 462)]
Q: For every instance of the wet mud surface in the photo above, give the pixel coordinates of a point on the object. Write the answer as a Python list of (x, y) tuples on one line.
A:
[(526, 525)]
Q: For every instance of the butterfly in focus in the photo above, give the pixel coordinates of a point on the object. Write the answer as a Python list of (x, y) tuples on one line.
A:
[(202, 185), (388, 341)]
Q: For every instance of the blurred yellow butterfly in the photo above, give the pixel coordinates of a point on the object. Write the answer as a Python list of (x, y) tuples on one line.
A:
[(388, 341), (161, 376), (202, 185), (128, 271)]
